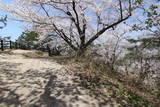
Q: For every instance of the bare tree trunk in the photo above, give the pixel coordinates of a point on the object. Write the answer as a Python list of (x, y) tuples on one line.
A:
[(80, 52)]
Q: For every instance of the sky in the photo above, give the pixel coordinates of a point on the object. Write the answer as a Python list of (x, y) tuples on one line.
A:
[(13, 28)]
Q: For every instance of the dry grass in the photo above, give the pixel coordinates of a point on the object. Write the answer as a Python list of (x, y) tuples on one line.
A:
[(96, 70), (33, 54)]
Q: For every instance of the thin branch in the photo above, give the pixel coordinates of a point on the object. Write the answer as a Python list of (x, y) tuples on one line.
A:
[(45, 10), (77, 19), (121, 9)]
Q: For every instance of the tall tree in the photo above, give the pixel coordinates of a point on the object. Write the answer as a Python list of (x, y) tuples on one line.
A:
[(28, 38), (145, 50), (150, 25), (77, 22)]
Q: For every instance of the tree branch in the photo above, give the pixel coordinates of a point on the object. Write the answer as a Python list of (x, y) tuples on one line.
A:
[(108, 27), (121, 11), (77, 19), (44, 10)]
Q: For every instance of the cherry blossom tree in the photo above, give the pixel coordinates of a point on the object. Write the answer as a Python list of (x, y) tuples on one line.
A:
[(77, 22)]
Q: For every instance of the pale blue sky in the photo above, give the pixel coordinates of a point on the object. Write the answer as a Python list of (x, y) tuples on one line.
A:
[(13, 27)]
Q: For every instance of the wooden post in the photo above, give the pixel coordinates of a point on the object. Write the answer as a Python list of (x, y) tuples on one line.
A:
[(49, 51), (2, 46), (10, 44), (19, 45), (28, 46), (16, 45)]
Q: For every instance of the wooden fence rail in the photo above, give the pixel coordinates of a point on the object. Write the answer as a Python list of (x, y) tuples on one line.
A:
[(11, 45), (16, 45), (3, 44)]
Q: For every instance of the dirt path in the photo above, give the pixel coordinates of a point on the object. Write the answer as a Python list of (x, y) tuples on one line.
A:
[(27, 82)]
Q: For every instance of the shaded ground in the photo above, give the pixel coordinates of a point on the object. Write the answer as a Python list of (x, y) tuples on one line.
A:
[(27, 82)]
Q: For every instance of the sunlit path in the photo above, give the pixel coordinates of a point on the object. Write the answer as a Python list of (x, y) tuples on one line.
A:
[(26, 82)]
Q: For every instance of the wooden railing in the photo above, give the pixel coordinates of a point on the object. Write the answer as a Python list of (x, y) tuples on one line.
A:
[(11, 45), (17, 45), (3, 46)]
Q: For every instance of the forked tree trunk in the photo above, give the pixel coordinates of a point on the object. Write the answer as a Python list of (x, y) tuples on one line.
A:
[(80, 52)]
